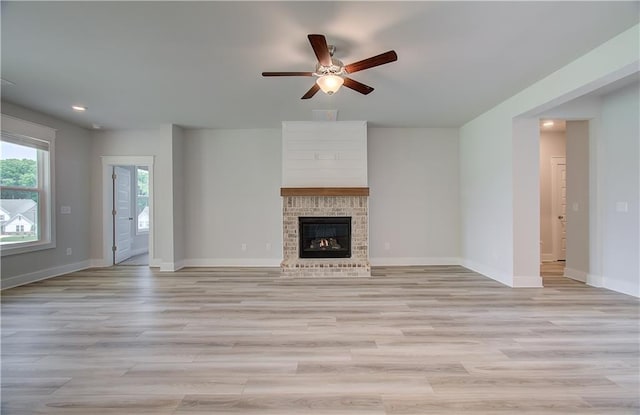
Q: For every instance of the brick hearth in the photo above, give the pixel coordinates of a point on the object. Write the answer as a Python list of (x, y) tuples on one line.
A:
[(294, 206)]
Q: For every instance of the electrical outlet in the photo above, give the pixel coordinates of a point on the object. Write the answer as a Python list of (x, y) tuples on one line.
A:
[(243, 247), (69, 251), (387, 246), (65, 210), (622, 207), (267, 246)]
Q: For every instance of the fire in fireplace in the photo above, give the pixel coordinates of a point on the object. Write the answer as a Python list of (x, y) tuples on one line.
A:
[(325, 237)]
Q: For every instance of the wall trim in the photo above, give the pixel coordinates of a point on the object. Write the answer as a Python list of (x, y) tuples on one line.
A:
[(489, 272), (575, 274), (232, 262), (594, 280), (98, 263), (44, 274), (527, 281), (408, 261), (171, 266), (624, 287)]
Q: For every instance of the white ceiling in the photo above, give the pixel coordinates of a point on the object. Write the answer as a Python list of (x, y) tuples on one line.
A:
[(198, 64)]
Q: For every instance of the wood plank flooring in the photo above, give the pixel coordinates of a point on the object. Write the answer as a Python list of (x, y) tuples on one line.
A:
[(412, 340)]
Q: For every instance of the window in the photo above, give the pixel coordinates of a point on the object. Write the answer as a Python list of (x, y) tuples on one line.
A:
[(26, 194), (142, 199)]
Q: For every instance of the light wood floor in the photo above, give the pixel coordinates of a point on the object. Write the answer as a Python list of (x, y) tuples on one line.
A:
[(420, 340)]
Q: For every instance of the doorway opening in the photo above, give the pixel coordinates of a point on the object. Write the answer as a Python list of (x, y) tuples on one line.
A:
[(127, 206), (130, 215), (564, 199)]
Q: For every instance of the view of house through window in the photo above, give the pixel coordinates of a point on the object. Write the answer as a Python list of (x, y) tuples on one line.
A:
[(22, 172), (142, 199)]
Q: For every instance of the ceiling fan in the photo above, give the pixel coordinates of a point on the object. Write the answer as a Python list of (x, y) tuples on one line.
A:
[(332, 73)]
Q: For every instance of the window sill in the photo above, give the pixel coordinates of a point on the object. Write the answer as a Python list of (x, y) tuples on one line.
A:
[(7, 250)]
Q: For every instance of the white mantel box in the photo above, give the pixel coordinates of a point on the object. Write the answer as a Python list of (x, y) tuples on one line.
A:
[(324, 154)]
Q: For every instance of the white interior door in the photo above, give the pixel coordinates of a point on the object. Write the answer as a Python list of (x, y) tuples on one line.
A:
[(559, 211), (123, 215)]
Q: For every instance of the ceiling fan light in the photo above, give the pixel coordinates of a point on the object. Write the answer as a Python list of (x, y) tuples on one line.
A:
[(330, 83)]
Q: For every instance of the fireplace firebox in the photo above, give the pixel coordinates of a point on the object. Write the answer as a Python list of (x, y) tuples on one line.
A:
[(325, 237)]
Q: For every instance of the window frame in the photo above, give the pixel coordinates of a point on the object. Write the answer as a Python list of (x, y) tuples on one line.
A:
[(21, 129)]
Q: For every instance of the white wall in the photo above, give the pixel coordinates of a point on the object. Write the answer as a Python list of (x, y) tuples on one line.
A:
[(495, 237), (324, 154), (552, 144), (233, 180), (620, 132), (414, 200), (577, 259), (72, 187)]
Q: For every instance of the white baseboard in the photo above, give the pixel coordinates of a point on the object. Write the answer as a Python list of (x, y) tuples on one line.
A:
[(402, 261), (594, 280), (624, 287), (99, 263), (232, 262), (575, 274), (523, 281), (489, 272), (44, 274), (171, 266)]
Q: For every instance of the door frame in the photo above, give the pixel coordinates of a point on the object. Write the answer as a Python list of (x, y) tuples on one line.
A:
[(108, 162), (555, 228)]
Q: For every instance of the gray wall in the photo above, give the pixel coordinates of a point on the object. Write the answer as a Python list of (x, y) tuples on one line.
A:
[(577, 260), (72, 188), (414, 204), (233, 180), (620, 171)]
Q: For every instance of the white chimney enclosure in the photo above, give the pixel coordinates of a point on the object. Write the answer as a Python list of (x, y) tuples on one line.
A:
[(324, 154)]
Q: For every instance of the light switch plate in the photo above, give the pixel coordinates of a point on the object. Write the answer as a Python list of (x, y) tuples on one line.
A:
[(65, 210)]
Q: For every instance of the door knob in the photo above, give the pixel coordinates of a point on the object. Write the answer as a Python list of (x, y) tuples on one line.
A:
[(560, 217), (130, 218)]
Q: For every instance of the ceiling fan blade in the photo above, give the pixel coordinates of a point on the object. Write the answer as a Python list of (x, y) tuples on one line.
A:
[(315, 88), (357, 86), (320, 48), (377, 60), (287, 73)]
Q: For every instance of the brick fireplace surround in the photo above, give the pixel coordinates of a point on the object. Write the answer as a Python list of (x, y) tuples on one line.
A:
[(326, 201)]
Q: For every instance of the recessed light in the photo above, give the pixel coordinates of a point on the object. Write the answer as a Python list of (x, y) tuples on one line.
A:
[(79, 108), (547, 124)]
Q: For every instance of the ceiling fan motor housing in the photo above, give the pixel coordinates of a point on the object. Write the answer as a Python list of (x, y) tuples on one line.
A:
[(336, 68)]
